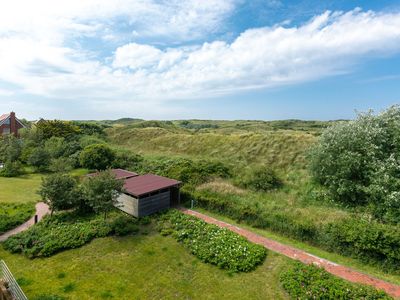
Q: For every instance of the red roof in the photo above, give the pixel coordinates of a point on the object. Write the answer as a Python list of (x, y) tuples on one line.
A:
[(141, 185), (2, 117), (119, 174)]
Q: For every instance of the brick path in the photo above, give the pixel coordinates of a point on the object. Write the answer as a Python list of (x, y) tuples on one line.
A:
[(42, 209), (333, 268)]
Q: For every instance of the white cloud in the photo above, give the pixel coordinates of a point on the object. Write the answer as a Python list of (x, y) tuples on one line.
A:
[(36, 53)]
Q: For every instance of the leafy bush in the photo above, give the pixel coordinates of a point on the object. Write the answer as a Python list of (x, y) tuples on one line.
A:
[(97, 157), (125, 225), (310, 282), (261, 179), (14, 214), (57, 233), (188, 171), (127, 160), (11, 169), (359, 162), (39, 159), (212, 244)]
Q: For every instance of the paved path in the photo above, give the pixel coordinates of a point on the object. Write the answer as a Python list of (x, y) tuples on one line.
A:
[(42, 209), (333, 268)]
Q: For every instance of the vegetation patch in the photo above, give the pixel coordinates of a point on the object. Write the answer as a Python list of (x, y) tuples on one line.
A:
[(212, 244), (65, 231), (14, 214), (310, 282)]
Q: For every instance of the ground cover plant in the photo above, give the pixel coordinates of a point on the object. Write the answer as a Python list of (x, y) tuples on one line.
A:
[(212, 244), (310, 282), (14, 214), (67, 231)]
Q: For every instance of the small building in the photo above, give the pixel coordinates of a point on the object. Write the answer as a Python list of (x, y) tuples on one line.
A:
[(147, 194), (144, 195), (9, 124)]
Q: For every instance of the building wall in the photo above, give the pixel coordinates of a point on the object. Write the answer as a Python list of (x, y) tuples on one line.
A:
[(144, 206), (154, 203), (12, 127)]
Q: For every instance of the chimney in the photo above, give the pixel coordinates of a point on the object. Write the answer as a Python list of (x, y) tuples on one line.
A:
[(13, 124)]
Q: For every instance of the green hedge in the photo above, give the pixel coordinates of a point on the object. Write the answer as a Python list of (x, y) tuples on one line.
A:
[(368, 240), (212, 244), (310, 282), (14, 214)]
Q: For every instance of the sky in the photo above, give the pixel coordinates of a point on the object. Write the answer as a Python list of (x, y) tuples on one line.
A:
[(214, 59)]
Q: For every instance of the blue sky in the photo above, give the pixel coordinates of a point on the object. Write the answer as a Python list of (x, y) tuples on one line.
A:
[(232, 59)]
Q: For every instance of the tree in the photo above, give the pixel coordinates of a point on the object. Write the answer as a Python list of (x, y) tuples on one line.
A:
[(10, 148), (59, 192), (55, 146), (127, 160), (102, 191), (61, 165), (39, 159), (97, 157), (359, 162), (49, 128)]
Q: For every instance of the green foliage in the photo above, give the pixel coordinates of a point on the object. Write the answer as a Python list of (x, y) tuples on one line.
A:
[(57, 233), (310, 282), (39, 159), (212, 244), (87, 128), (368, 240), (127, 160), (97, 157), (55, 146), (10, 148), (125, 225), (11, 169), (61, 165), (359, 162), (101, 191), (14, 214), (56, 128), (59, 191), (188, 171), (260, 179)]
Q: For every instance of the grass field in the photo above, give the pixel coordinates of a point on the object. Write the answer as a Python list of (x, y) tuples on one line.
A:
[(20, 189), (141, 267)]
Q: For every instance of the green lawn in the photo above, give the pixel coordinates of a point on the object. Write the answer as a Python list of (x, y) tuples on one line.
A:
[(20, 189), (141, 267)]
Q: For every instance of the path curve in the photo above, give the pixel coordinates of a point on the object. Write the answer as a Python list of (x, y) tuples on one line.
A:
[(294, 253), (42, 209)]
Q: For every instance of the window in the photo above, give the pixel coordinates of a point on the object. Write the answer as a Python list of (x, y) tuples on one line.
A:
[(7, 121), (6, 130)]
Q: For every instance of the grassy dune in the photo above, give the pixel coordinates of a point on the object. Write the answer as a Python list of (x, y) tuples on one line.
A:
[(280, 149)]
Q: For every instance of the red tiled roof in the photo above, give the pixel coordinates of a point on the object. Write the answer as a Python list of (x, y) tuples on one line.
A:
[(2, 117), (119, 174), (144, 184)]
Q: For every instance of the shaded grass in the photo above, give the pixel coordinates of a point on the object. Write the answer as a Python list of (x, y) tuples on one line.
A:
[(142, 267)]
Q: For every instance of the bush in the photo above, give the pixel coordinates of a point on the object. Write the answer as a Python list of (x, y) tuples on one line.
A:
[(212, 244), (57, 233), (11, 169), (261, 179), (127, 160), (358, 162), (192, 172), (39, 159), (125, 225), (97, 157), (14, 214), (310, 282)]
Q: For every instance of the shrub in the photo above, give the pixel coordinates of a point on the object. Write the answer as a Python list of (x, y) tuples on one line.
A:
[(358, 162), (14, 214), (125, 225), (310, 282), (97, 157), (261, 179), (39, 159), (11, 169), (214, 245), (127, 160), (57, 233)]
